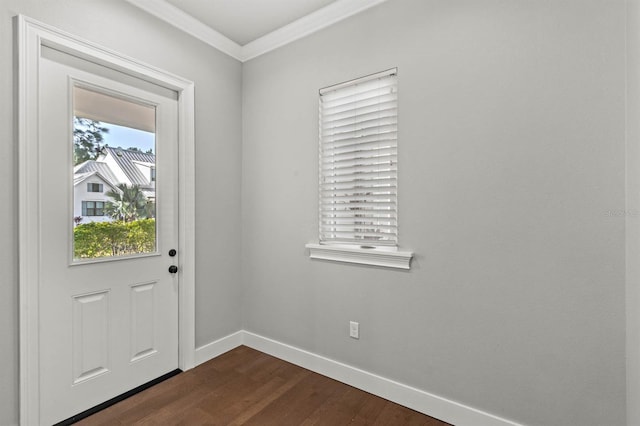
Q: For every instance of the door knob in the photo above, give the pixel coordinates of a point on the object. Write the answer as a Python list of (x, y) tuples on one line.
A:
[(173, 269)]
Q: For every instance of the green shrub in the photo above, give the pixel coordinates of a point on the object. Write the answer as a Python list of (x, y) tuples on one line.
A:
[(105, 239)]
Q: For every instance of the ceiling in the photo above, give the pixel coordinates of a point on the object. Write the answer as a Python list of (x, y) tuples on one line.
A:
[(246, 20), (110, 109), (245, 29)]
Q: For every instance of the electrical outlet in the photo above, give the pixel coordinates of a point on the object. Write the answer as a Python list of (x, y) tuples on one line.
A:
[(354, 329)]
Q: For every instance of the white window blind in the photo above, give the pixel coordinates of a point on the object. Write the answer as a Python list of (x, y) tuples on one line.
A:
[(358, 161)]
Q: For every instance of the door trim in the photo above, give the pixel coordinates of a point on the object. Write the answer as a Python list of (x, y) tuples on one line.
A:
[(31, 36)]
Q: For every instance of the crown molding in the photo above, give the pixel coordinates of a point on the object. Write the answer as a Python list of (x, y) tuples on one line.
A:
[(190, 25), (322, 18)]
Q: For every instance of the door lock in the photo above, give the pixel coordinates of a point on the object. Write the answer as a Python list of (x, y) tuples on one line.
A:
[(172, 252), (173, 269)]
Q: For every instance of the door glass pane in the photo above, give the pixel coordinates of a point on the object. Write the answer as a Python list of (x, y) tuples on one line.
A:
[(114, 176)]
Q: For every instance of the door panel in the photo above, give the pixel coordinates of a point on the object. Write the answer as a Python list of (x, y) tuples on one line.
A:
[(107, 326), (143, 332), (90, 335)]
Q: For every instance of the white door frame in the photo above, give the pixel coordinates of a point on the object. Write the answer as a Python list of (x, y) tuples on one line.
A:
[(32, 35)]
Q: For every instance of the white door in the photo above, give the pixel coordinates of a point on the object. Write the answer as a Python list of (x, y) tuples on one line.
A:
[(108, 322)]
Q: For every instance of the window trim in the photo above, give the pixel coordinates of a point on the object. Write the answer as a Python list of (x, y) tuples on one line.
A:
[(92, 185), (388, 257), (94, 209)]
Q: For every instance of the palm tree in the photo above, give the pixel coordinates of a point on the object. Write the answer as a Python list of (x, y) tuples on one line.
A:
[(129, 203)]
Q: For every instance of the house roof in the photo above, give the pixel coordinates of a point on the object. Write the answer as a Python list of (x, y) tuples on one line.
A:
[(80, 177), (126, 160), (87, 168)]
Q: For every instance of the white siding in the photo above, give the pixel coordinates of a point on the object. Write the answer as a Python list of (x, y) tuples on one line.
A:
[(81, 194)]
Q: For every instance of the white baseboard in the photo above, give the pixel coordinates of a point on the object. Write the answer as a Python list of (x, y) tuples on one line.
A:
[(218, 347), (416, 399)]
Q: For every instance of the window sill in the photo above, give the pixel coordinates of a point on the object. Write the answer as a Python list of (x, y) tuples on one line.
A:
[(387, 258)]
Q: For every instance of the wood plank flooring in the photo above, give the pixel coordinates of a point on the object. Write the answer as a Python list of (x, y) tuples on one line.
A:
[(248, 387)]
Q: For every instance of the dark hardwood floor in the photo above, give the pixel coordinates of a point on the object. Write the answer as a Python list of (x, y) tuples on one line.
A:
[(245, 386)]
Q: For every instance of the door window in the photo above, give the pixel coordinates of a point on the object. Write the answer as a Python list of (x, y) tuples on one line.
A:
[(114, 176)]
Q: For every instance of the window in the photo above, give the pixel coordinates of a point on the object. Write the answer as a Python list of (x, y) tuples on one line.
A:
[(153, 174), (94, 187), (358, 167), (358, 161), (93, 208)]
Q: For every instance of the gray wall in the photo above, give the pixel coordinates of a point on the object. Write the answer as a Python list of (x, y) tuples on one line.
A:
[(633, 212), (512, 153), (122, 27)]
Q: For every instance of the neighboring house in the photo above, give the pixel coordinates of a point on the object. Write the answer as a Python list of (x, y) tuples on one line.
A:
[(94, 178)]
